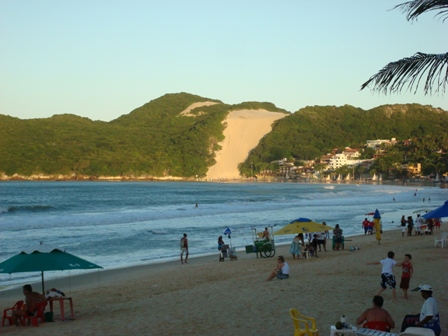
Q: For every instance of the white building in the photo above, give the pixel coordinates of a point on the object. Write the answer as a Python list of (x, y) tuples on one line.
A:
[(348, 157), (378, 142)]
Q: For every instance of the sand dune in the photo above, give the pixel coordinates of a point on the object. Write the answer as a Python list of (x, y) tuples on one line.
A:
[(244, 130)]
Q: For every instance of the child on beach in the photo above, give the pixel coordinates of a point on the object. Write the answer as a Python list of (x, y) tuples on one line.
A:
[(387, 274), (407, 271)]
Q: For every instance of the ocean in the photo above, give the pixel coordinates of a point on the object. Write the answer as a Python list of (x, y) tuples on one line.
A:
[(120, 224)]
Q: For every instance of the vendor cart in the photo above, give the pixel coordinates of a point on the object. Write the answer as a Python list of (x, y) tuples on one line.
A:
[(263, 247)]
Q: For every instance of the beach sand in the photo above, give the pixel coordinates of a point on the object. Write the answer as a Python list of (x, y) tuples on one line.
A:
[(207, 297), (243, 132)]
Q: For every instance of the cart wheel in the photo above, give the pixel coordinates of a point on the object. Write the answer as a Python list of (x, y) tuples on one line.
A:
[(269, 254)]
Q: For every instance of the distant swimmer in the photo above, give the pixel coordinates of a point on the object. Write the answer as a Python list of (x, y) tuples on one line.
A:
[(393, 199), (197, 205)]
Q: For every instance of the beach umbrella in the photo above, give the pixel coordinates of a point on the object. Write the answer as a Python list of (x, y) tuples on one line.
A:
[(302, 225), (44, 258), (376, 219), (438, 213), (228, 232)]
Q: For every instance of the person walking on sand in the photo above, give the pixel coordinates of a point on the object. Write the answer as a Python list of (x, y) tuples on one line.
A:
[(365, 225), (294, 248), (387, 273), (407, 269), (403, 225), (410, 225), (184, 249)]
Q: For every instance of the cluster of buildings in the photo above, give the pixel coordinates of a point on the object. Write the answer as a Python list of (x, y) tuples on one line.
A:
[(348, 157)]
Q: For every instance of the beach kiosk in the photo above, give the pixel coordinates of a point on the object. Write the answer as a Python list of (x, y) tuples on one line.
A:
[(263, 247)]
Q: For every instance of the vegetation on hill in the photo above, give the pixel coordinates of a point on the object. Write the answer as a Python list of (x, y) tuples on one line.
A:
[(314, 131), (157, 140), (152, 140)]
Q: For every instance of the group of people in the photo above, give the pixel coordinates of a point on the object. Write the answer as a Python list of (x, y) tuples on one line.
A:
[(316, 242), (378, 318), (368, 226), (420, 226)]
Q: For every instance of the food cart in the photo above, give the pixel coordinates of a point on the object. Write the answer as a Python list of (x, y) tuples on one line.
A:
[(262, 246)]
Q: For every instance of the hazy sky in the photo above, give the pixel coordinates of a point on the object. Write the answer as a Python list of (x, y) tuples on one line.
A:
[(103, 58)]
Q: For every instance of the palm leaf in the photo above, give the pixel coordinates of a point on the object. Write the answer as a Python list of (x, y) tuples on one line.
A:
[(415, 8), (409, 71)]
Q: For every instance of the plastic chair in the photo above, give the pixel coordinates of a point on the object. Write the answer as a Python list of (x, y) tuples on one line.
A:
[(377, 325), (441, 238), (7, 316), (414, 331), (308, 323), (39, 315)]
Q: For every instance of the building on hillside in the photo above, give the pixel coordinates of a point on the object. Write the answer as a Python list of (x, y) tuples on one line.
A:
[(414, 169), (376, 143), (325, 159), (348, 157)]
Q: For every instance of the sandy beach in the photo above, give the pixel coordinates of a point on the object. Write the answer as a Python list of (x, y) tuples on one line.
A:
[(207, 297)]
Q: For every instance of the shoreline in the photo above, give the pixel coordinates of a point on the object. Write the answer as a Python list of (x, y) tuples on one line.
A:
[(149, 263), (441, 184), (207, 297)]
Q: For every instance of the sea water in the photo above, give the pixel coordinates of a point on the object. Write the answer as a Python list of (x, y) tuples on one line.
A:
[(119, 224)]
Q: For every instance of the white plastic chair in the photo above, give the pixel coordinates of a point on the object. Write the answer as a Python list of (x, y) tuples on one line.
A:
[(441, 238), (413, 331)]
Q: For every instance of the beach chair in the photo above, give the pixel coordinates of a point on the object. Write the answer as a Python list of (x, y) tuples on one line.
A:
[(414, 331), (441, 238), (7, 313), (300, 321), (377, 325), (34, 320)]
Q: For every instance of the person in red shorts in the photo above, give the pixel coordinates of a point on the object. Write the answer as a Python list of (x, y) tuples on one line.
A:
[(407, 270)]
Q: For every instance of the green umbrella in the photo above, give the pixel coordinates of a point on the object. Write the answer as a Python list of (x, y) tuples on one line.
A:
[(44, 259)]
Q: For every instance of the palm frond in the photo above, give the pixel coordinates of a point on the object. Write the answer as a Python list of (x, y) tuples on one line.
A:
[(409, 71), (415, 8)]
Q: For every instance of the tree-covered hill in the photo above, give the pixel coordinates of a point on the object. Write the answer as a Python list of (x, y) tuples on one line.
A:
[(157, 139), (153, 140), (316, 130)]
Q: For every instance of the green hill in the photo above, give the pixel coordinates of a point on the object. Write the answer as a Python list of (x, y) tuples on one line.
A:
[(316, 130), (157, 139), (152, 140)]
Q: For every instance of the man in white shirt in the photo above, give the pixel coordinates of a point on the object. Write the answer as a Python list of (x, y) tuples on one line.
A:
[(429, 317), (387, 274)]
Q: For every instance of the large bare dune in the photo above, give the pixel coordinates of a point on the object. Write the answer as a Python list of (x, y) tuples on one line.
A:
[(243, 132)]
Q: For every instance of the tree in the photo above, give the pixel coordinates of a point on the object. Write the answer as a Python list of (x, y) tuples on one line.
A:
[(410, 70)]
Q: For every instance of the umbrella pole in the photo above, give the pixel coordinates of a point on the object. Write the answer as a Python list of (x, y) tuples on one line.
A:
[(43, 288)]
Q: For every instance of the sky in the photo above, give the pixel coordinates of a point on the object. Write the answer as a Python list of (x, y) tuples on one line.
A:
[(101, 59)]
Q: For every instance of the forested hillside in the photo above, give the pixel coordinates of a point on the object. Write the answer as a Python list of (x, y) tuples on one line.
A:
[(153, 140), (316, 130)]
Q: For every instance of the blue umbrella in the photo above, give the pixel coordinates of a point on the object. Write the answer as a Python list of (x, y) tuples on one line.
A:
[(376, 214), (438, 213), (228, 231)]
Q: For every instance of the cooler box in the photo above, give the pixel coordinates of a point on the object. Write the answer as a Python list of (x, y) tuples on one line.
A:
[(250, 249)]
